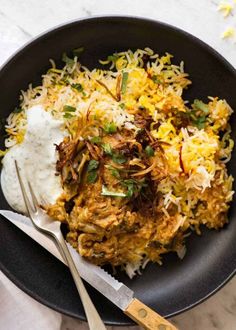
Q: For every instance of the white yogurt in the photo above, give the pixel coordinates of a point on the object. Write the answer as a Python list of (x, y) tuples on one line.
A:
[(36, 157)]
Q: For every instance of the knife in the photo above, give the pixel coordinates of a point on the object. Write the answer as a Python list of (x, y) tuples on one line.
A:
[(116, 292)]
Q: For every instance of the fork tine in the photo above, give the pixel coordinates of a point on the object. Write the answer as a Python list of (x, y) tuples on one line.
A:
[(24, 194), (43, 201), (33, 196)]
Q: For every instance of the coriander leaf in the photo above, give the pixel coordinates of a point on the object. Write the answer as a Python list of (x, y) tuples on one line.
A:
[(110, 128), (92, 165), (96, 139), (122, 106), (200, 122), (68, 108), (18, 110), (92, 171), (107, 149), (130, 185), (106, 192), (66, 59), (133, 186), (55, 70), (130, 191), (118, 158), (193, 117), (149, 151), (92, 176), (114, 172), (124, 82), (78, 87), (63, 81), (77, 51), (201, 106), (68, 115), (113, 58), (156, 80), (129, 181)]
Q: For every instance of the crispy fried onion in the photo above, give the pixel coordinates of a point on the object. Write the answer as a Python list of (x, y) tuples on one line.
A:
[(147, 170), (115, 97), (72, 158)]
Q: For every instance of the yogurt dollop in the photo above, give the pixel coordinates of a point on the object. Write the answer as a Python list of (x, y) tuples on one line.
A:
[(36, 158)]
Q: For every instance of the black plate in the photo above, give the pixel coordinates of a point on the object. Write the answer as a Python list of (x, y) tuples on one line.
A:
[(211, 258)]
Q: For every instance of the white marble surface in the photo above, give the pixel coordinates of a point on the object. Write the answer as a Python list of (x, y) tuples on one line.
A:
[(20, 20)]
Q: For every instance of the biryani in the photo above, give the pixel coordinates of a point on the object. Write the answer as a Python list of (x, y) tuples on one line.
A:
[(140, 167)]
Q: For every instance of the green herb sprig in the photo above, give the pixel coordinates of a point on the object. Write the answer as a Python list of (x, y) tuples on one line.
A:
[(92, 171), (106, 192), (110, 128), (125, 76), (199, 113), (68, 111)]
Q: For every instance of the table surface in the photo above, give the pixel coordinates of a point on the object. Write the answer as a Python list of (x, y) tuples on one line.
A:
[(21, 20)]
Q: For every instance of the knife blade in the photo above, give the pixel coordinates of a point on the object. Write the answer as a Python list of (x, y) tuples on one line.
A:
[(112, 289), (115, 291)]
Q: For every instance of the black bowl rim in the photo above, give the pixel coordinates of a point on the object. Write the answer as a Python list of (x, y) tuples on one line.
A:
[(99, 18)]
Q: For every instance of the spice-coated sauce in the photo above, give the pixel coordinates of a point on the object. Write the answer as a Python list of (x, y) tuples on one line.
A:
[(36, 158)]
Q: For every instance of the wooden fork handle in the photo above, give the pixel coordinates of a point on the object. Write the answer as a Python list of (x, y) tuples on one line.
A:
[(146, 317)]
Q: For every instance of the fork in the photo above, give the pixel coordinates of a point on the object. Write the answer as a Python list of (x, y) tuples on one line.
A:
[(44, 223)]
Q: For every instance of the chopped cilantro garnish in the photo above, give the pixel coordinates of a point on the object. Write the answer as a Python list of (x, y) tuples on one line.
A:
[(68, 115), (156, 80), (124, 82), (113, 58), (118, 158), (96, 139), (122, 106), (200, 122), (92, 177), (92, 171), (130, 185), (130, 191), (64, 81), (133, 186), (149, 151), (107, 149), (115, 173), (77, 51), (199, 105), (92, 165), (78, 87), (67, 60), (55, 70), (198, 114), (106, 192), (68, 108), (110, 128), (18, 110)]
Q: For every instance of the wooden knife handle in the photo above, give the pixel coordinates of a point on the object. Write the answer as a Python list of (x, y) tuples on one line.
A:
[(146, 317)]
